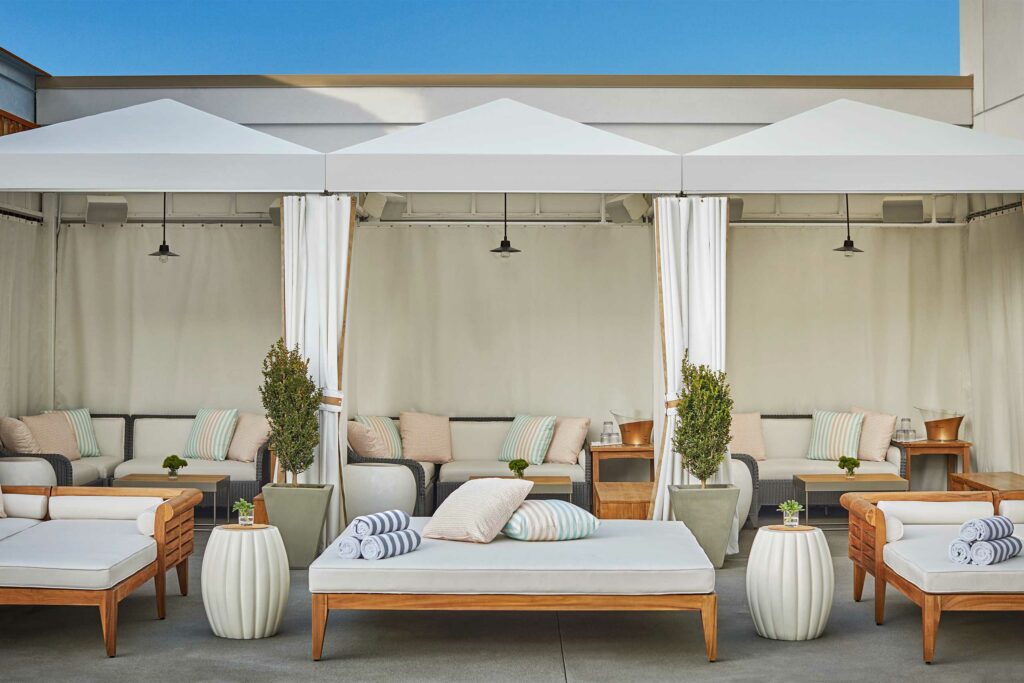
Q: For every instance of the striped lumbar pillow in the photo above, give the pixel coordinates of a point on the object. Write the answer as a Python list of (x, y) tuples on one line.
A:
[(211, 434), (81, 422), (528, 439), (550, 520), (387, 431), (834, 435)]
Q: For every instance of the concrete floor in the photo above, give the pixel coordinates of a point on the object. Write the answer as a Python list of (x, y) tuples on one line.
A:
[(64, 643)]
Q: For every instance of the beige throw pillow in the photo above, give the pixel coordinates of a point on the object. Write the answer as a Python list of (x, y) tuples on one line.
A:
[(477, 510), (366, 441), (17, 437), (568, 439), (746, 436), (54, 434), (875, 435), (426, 438), (251, 432)]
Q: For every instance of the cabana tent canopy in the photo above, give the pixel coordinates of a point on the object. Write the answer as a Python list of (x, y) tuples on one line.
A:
[(502, 146), (847, 146), (156, 147)]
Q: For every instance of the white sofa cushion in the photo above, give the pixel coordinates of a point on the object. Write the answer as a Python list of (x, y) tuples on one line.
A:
[(785, 468), (238, 471), (917, 512), (158, 437), (922, 558), (462, 470), (13, 525), (26, 471), (621, 557), (25, 505), (75, 553), (106, 464), (1014, 509), (478, 440), (745, 435), (83, 472), (786, 438), (101, 507), (110, 436)]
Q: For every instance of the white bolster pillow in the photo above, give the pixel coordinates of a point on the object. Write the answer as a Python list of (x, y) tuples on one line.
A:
[(25, 506), (101, 507), (1014, 509), (146, 521), (934, 512), (893, 529)]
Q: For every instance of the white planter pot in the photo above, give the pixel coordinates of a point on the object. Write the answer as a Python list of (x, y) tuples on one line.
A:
[(373, 487)]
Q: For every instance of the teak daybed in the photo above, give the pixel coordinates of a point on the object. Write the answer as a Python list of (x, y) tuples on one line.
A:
[(88, 546), (917, 564), (625, 565)]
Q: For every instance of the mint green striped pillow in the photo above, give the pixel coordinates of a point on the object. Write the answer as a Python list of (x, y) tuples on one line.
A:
[(81, 422), (388, 432), (550, 520), (528, 439), (211, 434), (834, 435)]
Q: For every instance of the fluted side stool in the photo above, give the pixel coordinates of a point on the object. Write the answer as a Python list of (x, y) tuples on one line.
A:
[(245, 581), (790, 582)]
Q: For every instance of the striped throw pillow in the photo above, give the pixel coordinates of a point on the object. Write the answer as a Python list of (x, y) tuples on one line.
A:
[(211, 434), (834, 435), (387, 430), (528, 439), (550, 520), (81, 422)]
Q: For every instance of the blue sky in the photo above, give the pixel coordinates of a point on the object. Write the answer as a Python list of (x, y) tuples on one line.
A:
[(91, 37)]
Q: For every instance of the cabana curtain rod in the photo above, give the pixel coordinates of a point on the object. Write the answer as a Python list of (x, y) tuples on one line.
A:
[(997, 209), (25, 216)]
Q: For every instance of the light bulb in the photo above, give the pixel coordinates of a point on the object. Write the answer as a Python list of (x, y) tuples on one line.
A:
[(164, 258), (848, 254), (506, 254)]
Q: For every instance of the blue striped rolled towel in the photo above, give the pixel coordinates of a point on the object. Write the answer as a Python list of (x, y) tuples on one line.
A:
[(960, 552), (995, 551), (379, 523), (349, 547), (986, 528), (388, 545)]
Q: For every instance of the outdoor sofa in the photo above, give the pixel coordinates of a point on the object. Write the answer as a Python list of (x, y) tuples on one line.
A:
[(626, 565), (113, 435), (93, 546), (917, 564)]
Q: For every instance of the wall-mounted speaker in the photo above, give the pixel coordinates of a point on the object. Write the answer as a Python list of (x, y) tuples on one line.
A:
[(106, 209), (903, 210)]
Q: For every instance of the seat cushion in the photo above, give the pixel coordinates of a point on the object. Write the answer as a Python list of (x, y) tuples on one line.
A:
[(26, 471), (921, 557), (74, 553), (462, 470), (622, 557), (785, 468), (106, 464), (238, 471), (84, 472), (13, 525)]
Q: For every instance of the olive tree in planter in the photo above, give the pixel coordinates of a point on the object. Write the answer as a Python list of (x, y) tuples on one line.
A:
[(702, 439), (292, 401)]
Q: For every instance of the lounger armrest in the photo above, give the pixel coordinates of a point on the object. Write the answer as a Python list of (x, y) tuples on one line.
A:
[(173, 528), (860, 507), (755, 493), (60, 464), (414, 467)]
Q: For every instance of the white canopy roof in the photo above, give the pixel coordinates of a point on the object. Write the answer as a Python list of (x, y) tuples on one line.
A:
[(847, 146), (156, 146), (502, 146)]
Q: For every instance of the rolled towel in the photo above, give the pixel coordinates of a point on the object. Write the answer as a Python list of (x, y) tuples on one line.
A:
[(960, 552), (995, 551), (986, 528), (379, 523), (349, 548), (390, 544)]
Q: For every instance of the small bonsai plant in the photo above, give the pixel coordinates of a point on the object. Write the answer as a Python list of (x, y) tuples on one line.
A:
[(244, 509), (173, 463), (292, 401), (518, 467), (705, 415), (791, 510), (849, 464)]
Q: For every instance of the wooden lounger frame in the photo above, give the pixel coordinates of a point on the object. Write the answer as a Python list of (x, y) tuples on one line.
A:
[(866, 545), (173, 532), (705, 603)]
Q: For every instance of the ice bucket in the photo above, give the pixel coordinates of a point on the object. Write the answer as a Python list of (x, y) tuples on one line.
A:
[(941, 425), (635, 431)]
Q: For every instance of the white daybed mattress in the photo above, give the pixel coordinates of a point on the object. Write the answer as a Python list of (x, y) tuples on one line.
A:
[(624, 557)]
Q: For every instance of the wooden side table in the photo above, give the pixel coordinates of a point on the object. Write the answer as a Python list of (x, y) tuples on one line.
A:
[(623, 499), (958, 449), (986, 481), (617, 452)]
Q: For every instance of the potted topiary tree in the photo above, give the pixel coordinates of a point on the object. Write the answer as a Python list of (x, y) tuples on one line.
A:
[(292, 401), (704, 416)]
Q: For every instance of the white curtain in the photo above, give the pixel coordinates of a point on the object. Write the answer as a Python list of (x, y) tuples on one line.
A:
[(995, 316), (691, 237), (317, 248)]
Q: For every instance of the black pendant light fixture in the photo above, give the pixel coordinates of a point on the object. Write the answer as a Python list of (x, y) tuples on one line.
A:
[(848, 249), (164, 252), (505, 248)]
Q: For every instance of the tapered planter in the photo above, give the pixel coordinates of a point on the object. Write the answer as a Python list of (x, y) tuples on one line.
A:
[(708, 513), (299, 512)]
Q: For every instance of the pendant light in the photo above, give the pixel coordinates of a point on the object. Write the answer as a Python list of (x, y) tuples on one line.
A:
[(848, 249), (505, 248), (164, 252)]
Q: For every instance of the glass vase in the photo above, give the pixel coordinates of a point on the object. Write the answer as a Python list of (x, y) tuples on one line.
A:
[(172, 474), (246, 519), (791, 518)]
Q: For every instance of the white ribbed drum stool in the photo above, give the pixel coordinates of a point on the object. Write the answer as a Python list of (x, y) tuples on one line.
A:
[(245, 581), (790, 582)]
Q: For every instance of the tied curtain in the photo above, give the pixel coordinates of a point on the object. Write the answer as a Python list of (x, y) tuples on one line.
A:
[(317, 239), (690, 235)]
